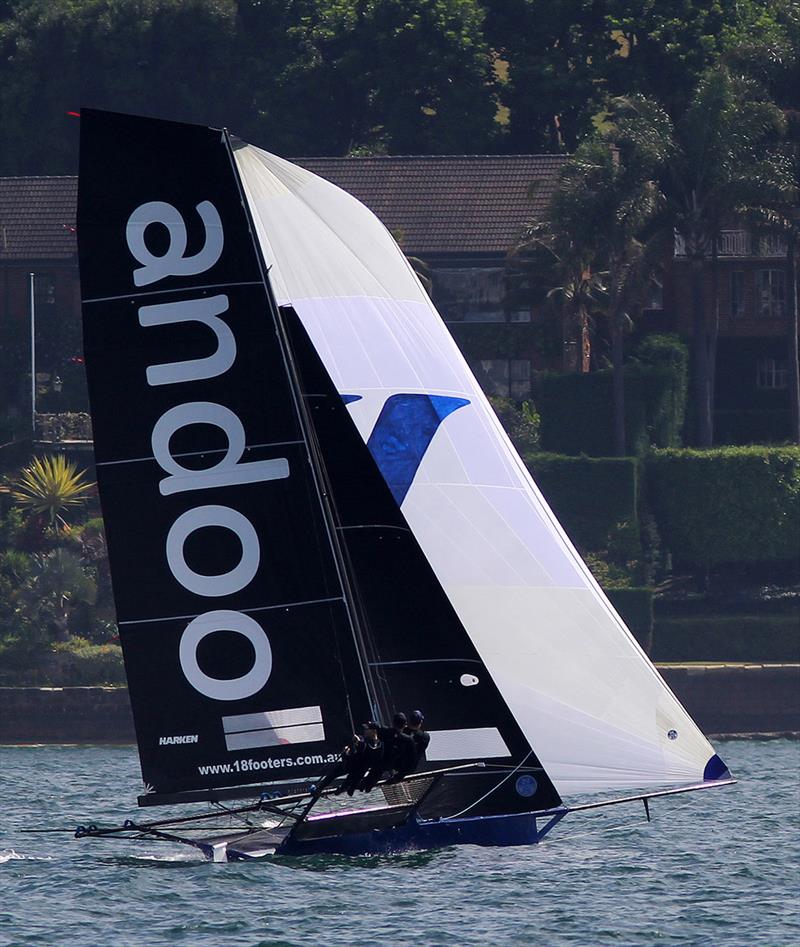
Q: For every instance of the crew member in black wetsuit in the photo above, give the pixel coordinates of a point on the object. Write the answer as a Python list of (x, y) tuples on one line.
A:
[(420, 736), (399, 754), (357, 757), (369, 757)]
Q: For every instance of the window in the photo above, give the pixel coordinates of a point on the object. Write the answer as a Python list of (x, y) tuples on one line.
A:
[(520, 378), (504, 377), (654, 296), (44, 289), (736, 287), (771, 294), (470, 294), (771, 373), (519, 315), (493, 376)]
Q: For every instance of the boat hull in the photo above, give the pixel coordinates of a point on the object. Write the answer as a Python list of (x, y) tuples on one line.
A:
[(412, 834)]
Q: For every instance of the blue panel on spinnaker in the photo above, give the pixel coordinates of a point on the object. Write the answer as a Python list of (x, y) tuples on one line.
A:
[(715, 769), (350, 398), (402, 434)]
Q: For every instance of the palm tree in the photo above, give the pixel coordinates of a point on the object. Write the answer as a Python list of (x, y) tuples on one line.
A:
[(57, 583), (48, 486), (605, 198), (559, 252)]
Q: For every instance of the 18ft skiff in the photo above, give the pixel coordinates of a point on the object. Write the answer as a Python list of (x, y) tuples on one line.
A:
[(315, 518)]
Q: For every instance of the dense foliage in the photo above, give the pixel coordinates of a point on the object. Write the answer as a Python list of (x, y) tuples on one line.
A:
[(56, 607), (576, 415), (336, 76), (734, 504)]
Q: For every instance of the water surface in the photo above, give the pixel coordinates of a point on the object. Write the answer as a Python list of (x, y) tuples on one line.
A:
[(716, 868)]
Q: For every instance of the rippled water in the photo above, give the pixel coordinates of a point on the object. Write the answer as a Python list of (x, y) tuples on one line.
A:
[(717, 867)]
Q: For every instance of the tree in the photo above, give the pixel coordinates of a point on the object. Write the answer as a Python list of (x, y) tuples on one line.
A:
[(166, 58), (565, 60), (397, 76), (554, 53), (300, 77), (48, 486), (605, 198), (724, 164), (57, 583)]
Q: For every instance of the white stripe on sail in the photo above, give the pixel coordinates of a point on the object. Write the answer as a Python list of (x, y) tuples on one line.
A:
[(272, 718), (247, 740), (475, 744)]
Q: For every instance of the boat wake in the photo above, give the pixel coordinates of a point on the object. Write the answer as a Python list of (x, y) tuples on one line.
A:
[(9, 855)]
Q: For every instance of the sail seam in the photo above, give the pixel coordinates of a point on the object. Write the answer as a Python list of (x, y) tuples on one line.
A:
[(403, 529), (195, 453), (166, 292), (258, 608), (383, 664)]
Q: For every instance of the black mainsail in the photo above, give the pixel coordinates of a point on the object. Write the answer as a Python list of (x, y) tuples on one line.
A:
[(238, 645)]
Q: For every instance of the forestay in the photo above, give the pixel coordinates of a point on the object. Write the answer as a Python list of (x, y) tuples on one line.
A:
[(590, 703)]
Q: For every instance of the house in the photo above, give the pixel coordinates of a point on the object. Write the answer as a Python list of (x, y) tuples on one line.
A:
[(37, 235), (458, 215), (751, 382)]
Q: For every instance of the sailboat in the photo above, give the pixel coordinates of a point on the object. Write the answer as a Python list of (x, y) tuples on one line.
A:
[(314, 519)]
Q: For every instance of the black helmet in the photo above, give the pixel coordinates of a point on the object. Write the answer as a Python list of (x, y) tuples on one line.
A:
[(416, 716)]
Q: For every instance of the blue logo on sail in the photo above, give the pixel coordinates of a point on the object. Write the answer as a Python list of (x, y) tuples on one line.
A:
[(403, 432)]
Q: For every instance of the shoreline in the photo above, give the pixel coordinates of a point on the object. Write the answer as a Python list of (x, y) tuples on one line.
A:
[(729, 700)]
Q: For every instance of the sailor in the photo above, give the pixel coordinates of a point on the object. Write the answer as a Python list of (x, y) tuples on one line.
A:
[(420, 737), (399, 753), (354, 761), (369, 758)]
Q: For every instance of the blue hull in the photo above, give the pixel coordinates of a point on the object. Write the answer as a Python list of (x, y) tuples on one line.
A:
[(416, 834)]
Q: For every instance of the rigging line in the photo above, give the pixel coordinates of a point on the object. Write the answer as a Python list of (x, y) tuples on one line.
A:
[(486, 794), (165, 292)]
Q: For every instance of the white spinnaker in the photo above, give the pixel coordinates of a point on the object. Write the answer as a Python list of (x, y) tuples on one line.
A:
[(593, 707)]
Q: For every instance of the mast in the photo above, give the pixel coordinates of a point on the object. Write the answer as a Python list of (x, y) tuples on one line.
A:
[(380, 709)]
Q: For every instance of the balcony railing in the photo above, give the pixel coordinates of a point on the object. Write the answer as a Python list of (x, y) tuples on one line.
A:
[(740, 244)]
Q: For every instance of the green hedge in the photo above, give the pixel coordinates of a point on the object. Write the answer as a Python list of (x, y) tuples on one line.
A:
[(72, 663), (590, 496), (727, 638), (728, 504), (577, 412), (635, 606)]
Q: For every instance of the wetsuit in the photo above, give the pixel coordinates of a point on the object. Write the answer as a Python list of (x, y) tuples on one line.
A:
[(368, 762), (351, 761), (421, 740), (399, 756)]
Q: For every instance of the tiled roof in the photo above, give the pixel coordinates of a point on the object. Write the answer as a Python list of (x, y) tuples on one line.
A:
[(448, 204), (37, 218), (433, 204)]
